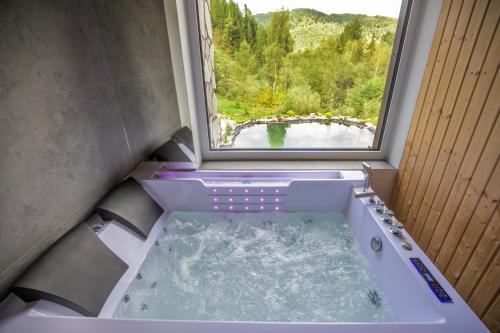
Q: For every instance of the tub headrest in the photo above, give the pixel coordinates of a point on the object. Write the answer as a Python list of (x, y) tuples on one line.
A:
[(170, 152), (185, 136), (78, 271), (131, 206)]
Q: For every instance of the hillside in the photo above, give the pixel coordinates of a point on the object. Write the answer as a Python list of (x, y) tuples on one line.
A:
[(310, 27)]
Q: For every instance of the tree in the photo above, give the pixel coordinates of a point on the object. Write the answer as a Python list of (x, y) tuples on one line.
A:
[(245, 58), (358, 51), (388, 38), (232, 27), (242, 71), (370, 50), (218, 9), (280, 44), (352, 31), (365, 97), (231, 33), (274, 59), (249, 27), (260, 44), (279, 31), (302, 100)]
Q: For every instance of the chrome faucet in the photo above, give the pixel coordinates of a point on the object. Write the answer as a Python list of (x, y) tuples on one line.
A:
[(367, 191), (366, 173)]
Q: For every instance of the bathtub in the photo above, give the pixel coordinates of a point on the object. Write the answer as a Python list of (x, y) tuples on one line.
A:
[(416, 306)]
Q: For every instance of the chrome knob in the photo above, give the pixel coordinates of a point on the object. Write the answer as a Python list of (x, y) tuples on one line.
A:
[(397, 228), (380, 207), (376, 244), (387, 218), (406, 245), (387, 211)]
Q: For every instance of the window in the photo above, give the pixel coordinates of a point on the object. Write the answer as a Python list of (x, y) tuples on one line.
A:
[(280, 77)]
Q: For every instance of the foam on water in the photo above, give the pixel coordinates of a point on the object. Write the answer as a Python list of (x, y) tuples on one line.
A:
[(301, 267)]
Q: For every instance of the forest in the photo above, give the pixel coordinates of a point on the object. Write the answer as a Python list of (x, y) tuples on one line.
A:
[(292, 63)]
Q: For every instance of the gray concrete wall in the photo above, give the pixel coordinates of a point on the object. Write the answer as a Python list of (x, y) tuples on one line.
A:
[(86, 93)]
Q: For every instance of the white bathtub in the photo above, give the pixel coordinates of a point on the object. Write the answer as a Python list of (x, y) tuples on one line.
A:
[(416, 307)]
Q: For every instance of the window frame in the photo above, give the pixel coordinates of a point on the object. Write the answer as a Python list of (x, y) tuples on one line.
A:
[(386, 122)]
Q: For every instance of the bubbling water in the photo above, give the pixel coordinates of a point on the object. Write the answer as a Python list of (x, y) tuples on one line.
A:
[(273, 267)]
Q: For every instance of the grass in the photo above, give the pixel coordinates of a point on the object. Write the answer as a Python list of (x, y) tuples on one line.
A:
[(241, 113), (231, 109)]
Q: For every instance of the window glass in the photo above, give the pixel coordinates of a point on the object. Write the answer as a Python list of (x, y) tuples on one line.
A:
[(298, 74)]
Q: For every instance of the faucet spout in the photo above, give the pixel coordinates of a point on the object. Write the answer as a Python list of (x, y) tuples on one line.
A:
[(367, 169), (361, 193), (366, 191)]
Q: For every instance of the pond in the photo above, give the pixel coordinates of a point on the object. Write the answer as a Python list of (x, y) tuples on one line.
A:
[(303, 135)]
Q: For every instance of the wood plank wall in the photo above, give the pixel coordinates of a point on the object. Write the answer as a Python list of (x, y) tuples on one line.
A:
[(448, 186)]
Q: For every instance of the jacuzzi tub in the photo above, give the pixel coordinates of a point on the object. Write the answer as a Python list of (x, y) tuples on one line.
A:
[(416, 308)]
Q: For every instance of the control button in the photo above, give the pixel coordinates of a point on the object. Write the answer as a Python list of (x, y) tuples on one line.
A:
[(431, 281)]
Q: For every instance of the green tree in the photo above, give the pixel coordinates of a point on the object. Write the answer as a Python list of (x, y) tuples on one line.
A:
[(302, 100), (279, 31), (242, 74), (274, 55), (365, 97), (222, 72), (352, 31), (233, 26), (245, 58), (370, 50), (232, 33), (388, 38), (280, 43), (260, 44), (358, 51), (218, 13), (249, 27)]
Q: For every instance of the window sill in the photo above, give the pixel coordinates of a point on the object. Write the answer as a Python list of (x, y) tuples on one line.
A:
[(311, 165)]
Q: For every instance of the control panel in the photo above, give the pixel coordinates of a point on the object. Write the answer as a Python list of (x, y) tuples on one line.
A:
[(436, 288)]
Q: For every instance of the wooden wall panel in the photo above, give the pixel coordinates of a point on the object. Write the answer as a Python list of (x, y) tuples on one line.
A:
[(448, 186)]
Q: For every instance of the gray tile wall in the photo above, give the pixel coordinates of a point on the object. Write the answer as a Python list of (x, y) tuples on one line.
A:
[(86, 93)]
